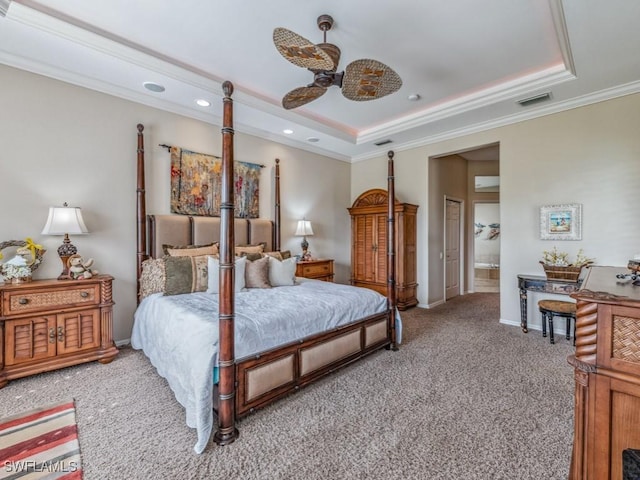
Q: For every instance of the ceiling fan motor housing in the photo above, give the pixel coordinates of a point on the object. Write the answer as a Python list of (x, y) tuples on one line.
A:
[(326, 79)]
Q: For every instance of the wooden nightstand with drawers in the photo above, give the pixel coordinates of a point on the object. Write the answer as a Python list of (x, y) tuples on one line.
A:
[(51, 324), (321, 269)]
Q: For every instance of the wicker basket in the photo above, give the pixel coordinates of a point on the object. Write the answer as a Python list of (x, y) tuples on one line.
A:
[(565, 274)]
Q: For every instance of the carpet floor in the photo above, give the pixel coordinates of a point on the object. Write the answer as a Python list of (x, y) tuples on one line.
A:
[(465, 398)]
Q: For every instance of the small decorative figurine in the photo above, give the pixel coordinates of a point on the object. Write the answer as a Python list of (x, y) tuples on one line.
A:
[(79, 268)]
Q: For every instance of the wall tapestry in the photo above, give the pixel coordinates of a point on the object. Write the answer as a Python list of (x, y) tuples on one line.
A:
[(196, 185)]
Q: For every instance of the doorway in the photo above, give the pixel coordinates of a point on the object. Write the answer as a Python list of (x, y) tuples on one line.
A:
[(486, 247), (452, 176)]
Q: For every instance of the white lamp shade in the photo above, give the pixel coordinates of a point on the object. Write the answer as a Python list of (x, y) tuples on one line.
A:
[(304, 228), (64, 220)]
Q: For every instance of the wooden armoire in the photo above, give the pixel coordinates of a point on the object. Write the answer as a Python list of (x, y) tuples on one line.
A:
[(369, 246)]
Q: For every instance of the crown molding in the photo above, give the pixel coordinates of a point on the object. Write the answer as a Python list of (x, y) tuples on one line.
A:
[(584, 100)]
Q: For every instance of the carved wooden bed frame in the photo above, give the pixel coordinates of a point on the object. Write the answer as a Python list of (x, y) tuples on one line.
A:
[(256, 381)]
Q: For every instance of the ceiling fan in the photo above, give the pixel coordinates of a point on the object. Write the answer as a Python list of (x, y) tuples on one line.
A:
[(363, 79)]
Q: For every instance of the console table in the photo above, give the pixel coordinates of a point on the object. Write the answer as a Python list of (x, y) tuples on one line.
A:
[(538, 283)]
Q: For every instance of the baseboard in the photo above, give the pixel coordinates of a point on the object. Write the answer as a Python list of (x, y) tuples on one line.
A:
[(431, 305), (510, 322), (517, 324), (122, 343)]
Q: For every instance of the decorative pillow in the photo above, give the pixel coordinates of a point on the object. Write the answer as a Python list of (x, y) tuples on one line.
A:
[(282, 255), (259, 248), (252, 257), (276, 255), (214, 274), (256, 273), (282, 273), (152, 278), (190, 250), (185, 274)]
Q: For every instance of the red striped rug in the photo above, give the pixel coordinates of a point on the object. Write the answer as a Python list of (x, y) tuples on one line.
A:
[(42, 443)]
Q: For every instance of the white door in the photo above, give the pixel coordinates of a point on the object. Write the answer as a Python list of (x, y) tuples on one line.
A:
[(452, 249)]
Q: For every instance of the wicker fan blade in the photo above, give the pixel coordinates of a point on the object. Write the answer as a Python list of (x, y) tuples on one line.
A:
[(300, 51), (301, 96), (368, 79)]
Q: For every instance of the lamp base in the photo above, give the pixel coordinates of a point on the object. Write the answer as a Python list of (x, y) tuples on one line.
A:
[(65, 268), (64, 252)]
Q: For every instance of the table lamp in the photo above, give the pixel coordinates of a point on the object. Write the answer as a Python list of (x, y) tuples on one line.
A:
[(63, 221), (303, 230)]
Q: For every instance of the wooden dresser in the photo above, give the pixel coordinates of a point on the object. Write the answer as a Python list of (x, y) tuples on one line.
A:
[(50, 324), (321, 269), (607, 375), (369, 246)]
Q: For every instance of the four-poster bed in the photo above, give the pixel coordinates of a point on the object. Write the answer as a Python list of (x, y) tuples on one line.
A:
[(363, 321)]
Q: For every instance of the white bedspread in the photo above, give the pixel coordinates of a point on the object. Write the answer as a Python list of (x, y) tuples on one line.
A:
[(179, 334)]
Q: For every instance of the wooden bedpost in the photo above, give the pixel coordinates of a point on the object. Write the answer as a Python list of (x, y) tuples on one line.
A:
[(391, 249), (276, 240), (226, 432), (141, 211)]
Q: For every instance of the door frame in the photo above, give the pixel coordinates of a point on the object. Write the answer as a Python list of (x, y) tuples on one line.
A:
[(462, 279)]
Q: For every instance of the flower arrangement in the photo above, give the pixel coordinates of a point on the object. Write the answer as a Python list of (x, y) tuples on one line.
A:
[(561, 259), (557, 266), (11, 271)]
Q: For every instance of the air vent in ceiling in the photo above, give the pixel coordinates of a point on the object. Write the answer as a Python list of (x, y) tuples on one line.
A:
[(543, 97), (382, 142)]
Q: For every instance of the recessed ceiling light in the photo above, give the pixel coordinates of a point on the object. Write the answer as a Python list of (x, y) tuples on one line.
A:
[(313, 139), (203, 103), (414, 97), (287, 131), (154, 87)]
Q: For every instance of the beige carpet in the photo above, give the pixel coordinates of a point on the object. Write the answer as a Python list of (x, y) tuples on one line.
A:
[(464, 398)]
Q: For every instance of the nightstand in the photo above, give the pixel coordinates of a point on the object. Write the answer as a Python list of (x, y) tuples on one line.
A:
[(321, 269), (51, 324)]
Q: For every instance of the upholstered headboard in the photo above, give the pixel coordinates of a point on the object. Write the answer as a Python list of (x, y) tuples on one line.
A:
[(193, 230)]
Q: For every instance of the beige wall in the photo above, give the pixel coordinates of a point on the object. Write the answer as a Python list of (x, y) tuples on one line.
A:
[(589, 155), (61, 143)]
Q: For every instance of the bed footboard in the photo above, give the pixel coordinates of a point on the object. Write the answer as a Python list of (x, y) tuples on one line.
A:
[(265, 378)]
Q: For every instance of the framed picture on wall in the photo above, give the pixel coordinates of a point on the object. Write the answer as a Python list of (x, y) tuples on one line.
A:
[(561, 222)]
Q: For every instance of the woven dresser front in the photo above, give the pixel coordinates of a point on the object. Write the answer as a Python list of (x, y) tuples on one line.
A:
[(27, 301), (626, 338)]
